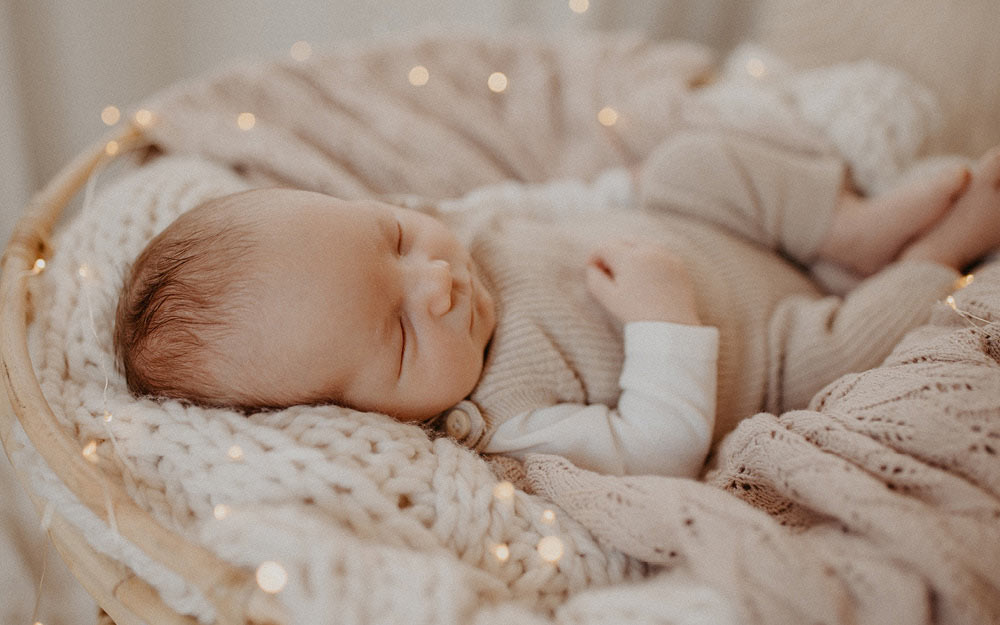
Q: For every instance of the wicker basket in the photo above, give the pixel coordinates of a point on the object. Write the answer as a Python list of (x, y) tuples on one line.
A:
[(125, 597)]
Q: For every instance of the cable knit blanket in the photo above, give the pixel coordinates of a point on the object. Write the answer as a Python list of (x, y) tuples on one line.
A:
[(881, 503)]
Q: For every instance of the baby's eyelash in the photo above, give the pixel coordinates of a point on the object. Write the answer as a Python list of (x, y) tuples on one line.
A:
[(402, 347), (399, 238)]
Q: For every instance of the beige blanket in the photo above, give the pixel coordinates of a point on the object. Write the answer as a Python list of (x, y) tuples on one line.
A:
[(880, 504), (351, 123)]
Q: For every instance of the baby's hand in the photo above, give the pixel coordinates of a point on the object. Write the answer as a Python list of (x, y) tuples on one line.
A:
[(641, 281)]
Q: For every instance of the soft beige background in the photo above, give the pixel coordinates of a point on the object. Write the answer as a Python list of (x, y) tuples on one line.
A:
[(62, 62), (951, 46)]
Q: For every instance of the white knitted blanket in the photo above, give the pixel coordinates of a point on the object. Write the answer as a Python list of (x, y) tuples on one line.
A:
[(374, 521)]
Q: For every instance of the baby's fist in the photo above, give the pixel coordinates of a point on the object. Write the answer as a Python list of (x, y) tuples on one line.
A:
[(641, 281)]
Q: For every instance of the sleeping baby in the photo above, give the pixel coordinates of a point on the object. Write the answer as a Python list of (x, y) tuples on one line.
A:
[(625, 340)]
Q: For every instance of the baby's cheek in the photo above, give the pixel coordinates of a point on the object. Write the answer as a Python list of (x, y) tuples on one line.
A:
[(464, 365)]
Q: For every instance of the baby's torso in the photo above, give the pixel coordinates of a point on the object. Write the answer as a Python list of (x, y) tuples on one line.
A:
[(555, 344)]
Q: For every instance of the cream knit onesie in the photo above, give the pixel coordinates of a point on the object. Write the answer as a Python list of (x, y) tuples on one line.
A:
[(743, 212)]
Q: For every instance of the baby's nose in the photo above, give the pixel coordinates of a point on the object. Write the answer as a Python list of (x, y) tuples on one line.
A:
[(437, 287)]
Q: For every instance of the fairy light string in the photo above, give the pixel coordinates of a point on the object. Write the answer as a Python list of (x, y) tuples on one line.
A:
[(979, 325), (41, 584), (300, 51), (89, 279), (550, 547)]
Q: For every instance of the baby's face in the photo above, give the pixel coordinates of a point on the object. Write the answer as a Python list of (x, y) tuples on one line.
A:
[(361, 303)]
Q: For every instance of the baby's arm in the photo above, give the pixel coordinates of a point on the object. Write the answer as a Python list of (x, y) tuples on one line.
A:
[(665, 415), (666, 412)]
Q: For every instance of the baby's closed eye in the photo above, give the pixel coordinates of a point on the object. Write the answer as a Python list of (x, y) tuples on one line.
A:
[(402, 345)]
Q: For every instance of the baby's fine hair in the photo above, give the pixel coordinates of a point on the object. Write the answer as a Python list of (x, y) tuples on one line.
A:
[(177, 305)]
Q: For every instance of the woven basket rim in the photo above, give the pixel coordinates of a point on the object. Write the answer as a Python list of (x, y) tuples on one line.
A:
[(232, 590)]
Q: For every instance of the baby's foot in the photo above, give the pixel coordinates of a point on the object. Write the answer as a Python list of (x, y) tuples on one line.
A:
[(868, 233), (972, 228)]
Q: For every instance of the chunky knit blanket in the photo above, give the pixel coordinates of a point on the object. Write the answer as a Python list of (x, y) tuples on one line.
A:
[(881, 503)]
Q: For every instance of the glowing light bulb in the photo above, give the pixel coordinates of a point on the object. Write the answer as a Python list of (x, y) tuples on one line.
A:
[(301, 50), (497, 82), (418, 76), (964, 281), (756, 67), (246, 121), (143, 117), (235, 453), (504, 491), (110, 115), (550, 548), (548, 517), (579, 6), (107, 417), (502, 552), (111, 148), (271, 577), (951, 302), (39, 266), (221, 511), (607, 116), (90, 452)]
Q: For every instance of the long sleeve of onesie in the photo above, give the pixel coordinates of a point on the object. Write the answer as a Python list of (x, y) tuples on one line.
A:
[(664, 419)]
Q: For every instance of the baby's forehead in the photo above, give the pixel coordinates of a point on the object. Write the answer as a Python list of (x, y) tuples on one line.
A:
[(295, 224), (283, 204)]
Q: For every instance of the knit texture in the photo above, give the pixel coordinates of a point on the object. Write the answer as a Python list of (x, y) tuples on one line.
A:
[(555, 344), (377, 522), (739, 207)]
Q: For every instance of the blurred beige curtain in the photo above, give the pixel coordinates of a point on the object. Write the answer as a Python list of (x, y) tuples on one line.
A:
[(62, 63), (14, 179)]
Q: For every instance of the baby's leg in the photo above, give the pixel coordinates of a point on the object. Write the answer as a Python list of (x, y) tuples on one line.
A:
[(972, 228), (780, 196), (867, 233)]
